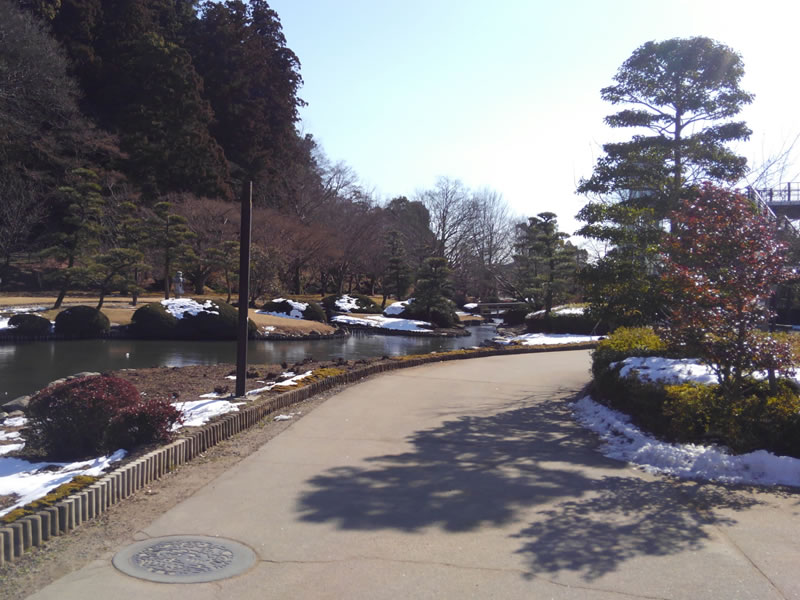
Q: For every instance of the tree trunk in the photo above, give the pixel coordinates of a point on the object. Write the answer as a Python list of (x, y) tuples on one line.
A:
[(200, 285)]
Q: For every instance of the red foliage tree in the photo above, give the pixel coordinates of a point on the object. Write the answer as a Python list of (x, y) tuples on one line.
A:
[(722, 262)]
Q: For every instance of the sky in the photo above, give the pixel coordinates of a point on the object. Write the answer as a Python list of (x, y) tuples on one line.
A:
[(506, 94)]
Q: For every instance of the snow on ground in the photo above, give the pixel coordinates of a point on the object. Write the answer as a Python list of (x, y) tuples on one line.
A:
[(295, 313), (537, 339), (379, 322), (395, 308), (624, 441), (292, 381), (198, 412), (178, 307), (9, 435), (15, 422), (33, 480)]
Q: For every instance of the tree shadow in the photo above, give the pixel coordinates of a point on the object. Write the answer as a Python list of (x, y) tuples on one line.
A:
[(475, 471), (623, 518)]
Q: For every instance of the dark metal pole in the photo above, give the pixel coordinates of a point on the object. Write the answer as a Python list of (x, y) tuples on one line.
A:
[(244, 288)]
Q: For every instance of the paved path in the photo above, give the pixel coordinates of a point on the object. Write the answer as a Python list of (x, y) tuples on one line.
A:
[(468, 479)]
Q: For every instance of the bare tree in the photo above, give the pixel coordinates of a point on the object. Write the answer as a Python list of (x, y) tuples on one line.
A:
[(451, 209)]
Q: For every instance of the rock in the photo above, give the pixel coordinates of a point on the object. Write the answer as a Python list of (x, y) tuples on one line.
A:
[(3, 415), (83, 374), (15, 413), (20, 403)]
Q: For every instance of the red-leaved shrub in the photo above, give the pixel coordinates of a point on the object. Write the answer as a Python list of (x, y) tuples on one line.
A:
[(96, 415)]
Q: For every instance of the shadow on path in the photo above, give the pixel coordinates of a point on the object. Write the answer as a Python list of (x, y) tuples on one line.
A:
[(531, 464)]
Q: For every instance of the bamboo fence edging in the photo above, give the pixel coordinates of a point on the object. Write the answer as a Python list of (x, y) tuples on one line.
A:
[(93, 501)]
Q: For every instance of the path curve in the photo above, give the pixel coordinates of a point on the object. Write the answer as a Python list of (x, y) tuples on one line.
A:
[(467, 479)]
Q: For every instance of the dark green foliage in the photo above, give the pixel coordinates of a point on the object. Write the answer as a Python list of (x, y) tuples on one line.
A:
[(364, 304), (26, 324), (81, 322), (152, 321), (95, 415), (397, 274), (430, 295), (216, 323), (515, 316), (546, 264), (443, 314), (313, 312), (565, 323)]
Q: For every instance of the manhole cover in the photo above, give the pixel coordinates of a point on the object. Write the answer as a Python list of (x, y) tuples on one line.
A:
[(184, 559)]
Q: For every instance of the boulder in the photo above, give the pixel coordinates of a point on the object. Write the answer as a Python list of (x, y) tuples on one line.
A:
[(16, 404)]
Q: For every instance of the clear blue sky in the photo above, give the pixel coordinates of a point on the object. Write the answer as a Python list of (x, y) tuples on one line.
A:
[(507, 94)]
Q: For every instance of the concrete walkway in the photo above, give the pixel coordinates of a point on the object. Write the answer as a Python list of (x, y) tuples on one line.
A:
[(468, 479)]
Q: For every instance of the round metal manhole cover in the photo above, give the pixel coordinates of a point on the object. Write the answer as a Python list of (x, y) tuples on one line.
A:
[(184, 559)]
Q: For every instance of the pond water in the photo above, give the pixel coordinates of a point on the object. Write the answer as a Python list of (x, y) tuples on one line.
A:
[(27, 367)]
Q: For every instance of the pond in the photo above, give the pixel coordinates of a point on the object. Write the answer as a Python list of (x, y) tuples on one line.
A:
[(27, 367)]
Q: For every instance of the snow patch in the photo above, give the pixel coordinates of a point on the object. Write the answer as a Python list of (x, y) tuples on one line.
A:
[(624, 441), (178, 307), (9, 448), (292, 381), (666, 370), (536, 339), (199, 412), (15, 422), (347, 304), (31, 480), (296, 312), (395, 308)]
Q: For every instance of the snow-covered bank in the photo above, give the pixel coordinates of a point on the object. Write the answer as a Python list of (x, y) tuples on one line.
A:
[(379, 322), (624, 441), (658, 369)]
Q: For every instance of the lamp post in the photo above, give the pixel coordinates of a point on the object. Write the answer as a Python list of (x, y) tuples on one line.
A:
[(244, 288)]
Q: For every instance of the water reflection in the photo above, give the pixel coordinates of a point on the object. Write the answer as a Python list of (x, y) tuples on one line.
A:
[(27, 367)]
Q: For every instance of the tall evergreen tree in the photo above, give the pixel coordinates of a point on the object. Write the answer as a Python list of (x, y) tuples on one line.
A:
[(680, 96)]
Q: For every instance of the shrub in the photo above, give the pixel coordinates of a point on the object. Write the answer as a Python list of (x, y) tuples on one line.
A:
[(95, 415), (626, 342), (27, 324), (758, 420), (314, 312), (81, 322), (152, 321), (364, 304), (564, 323), (515, 316), (441, 314), (219, 323), (311, 312)]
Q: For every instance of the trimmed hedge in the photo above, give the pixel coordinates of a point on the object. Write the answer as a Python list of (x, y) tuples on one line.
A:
[(27, 324), (565, 323), (95, 415), (364, 304), (152, 321), (442, 315), (81, 322), (312, 312), (210, 326), (691, 412)]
